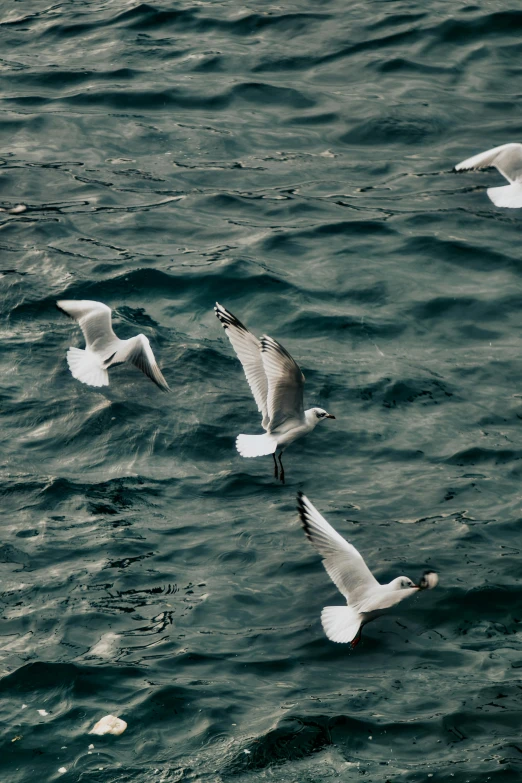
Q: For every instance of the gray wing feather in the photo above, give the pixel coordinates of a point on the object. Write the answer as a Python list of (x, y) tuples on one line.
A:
[(140, 354), (343, 563), (507, 159), (248, 350), (95, 320), (285, 383)]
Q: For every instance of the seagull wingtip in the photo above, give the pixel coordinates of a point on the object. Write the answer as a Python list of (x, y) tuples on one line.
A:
[(302, 509), (222, 313), (58, 304)]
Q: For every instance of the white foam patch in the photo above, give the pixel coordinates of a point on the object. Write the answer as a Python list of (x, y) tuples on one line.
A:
[(110, 724), (106, 647)]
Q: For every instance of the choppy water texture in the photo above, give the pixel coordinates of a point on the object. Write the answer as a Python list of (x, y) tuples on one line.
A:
[(292, 161)]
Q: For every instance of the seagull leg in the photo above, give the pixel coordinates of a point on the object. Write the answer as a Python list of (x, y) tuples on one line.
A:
[(357, 639), (282, 474), (276, 469)]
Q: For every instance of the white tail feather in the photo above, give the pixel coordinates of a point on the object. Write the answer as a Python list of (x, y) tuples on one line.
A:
[(341, 623), (509, 196), (256, 445), (85, 367)]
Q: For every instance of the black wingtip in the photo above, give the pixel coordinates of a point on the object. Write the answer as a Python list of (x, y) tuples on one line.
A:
[(63, 311), (162, 385), (303, 512), (269, 344), (226, 318)]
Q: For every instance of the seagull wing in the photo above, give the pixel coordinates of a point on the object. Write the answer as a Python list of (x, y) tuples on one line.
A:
[(248, 349), (94, 319), (343, 563), (384, 599), (285, 384), (507, 159), (139, 353)]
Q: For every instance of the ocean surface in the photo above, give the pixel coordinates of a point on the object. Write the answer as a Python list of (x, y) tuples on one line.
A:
[(294, 162)]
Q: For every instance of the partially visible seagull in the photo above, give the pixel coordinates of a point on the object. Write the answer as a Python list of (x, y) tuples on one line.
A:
[(366, 599), (103, 349), (508, 160), (277, 385)]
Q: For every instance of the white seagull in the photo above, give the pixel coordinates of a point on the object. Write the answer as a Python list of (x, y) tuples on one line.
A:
[(277, 385), (103, 349), (508, 160), (366, 599)]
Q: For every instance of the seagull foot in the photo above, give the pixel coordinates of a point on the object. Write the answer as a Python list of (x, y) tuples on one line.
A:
[(282, 473)]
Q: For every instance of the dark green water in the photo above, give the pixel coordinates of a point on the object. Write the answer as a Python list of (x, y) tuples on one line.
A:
[(292, 161)]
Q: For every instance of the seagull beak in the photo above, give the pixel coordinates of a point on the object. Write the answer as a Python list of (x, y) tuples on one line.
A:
[(329, 416)]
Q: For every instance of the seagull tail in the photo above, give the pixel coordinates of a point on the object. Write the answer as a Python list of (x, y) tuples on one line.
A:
[(341, 623), (509, 196), (256, 445), (85, 367)]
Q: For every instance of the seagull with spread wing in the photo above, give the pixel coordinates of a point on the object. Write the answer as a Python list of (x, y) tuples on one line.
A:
[(507, 159), (103, 349), (366, 599), (277, 385)]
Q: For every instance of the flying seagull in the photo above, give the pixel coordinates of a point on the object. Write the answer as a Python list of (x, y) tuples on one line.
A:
[(508, 160), (103, 349), (366, 599), (277, 385)]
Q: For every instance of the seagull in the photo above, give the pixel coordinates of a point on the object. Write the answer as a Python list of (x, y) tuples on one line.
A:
[(508, 160), (277, 385), (365, 597), (103, 349)]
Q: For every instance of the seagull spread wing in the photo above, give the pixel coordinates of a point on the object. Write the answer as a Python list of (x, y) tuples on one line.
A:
[(94, 319), (140, 354), (248, 350), (285, 384), (343, 563), (507, 159)]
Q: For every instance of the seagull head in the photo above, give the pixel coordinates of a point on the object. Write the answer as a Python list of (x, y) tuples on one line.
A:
[(402, 583), (315, 415)]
